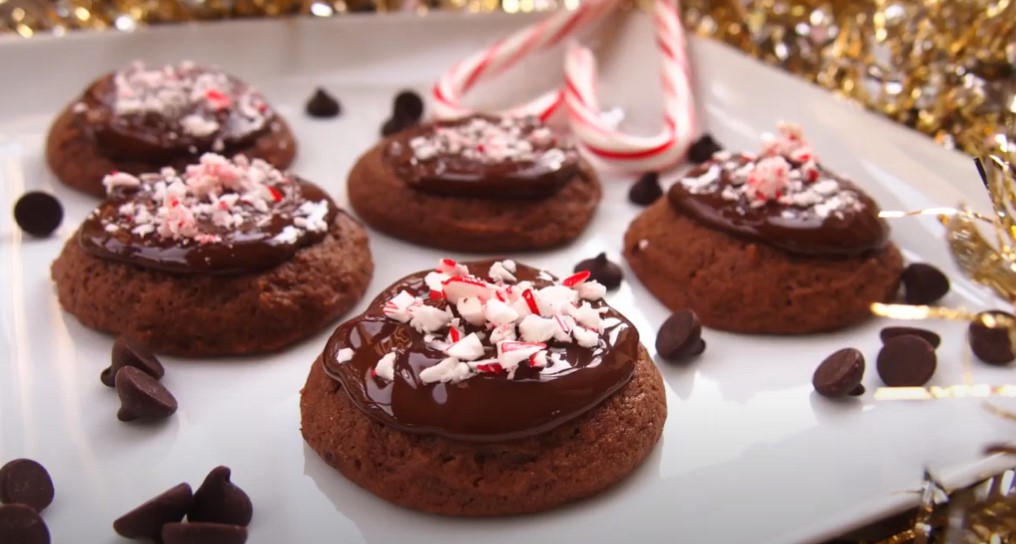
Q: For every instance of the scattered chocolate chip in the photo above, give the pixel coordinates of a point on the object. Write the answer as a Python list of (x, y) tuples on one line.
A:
[(703, 149), (906, 361), (602, 270), (839, 374), (142, 396), (923, 284), (892, 332), (408, 106), (20, 524), (646, 190), (680, 336), (220, 501), (25, 481), (146, 521), (323, 105), (394, 126), (203, 533), (991, 344), (128, 352), (38, 213)]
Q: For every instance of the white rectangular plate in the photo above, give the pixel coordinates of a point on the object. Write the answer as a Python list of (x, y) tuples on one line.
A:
[(749, 453)]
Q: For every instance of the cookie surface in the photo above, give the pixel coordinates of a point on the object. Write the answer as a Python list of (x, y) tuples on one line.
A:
[(480, 225), (749, 287), (213, 315), (76, 161), (442, 476)]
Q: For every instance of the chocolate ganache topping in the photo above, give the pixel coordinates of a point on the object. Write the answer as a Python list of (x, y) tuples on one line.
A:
[(482, 156), (483, 351), (784, 198), (166, 112), (219, 216)]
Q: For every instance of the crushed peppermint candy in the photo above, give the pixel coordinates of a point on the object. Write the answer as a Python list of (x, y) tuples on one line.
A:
[(786, 172), (513, 323), (195, 101), (213, 201), (489, 140)]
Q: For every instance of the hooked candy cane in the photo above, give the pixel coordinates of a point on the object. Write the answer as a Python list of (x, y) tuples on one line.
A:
[(595, 135), (503, 54), (624, 151)]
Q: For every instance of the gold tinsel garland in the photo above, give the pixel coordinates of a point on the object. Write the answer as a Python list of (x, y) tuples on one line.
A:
[(944, 67)]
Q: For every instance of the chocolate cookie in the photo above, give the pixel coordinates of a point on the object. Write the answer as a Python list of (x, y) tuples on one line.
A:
[(478, 184), (205, 284), (141, 119), (585, 407), (788, 248)]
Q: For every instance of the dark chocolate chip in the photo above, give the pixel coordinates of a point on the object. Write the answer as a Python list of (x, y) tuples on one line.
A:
[(906, 361), (395, 125), (991, 344), (142, 396), (892, 332), (146, 521), (220, 501), (602, 270), (839, 374), (680, 336), (20, 524), (38, 213), (25, 481), (923, 284), (858, 391), (703, 149), (323, 105), (646, 190), (127, 352), (203, 533), (408, 106)]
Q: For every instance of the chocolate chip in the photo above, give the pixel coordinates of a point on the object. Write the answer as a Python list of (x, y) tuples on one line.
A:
[(323, 105), (923, 284), (892, 332), (128, 352), (25, 481), (839, 374), (203, 533), (680, 336), (646, 190), (220, 501), (602, 270), (408, 106), (703, 149), (38, 213), (142, 396), (991, 344), (395, 125), (146, 521), (20, 524), (858, 391), (906, 361)]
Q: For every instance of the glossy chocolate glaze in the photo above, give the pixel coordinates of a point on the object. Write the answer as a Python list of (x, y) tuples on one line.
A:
[(850, 232), (487, 406), (159, 136), (535, 173), (250, 247)]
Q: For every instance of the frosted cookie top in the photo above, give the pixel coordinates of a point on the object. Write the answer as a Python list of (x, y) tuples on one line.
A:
[(171, 110), (218, 216), (783, 197), (483, 156), (490, 350)]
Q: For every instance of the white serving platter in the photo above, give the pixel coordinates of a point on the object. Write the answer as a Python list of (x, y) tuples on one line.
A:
[(749, 452)]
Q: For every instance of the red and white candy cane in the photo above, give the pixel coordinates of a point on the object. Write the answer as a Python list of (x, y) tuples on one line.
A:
[(624, 151), (455, 83)]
